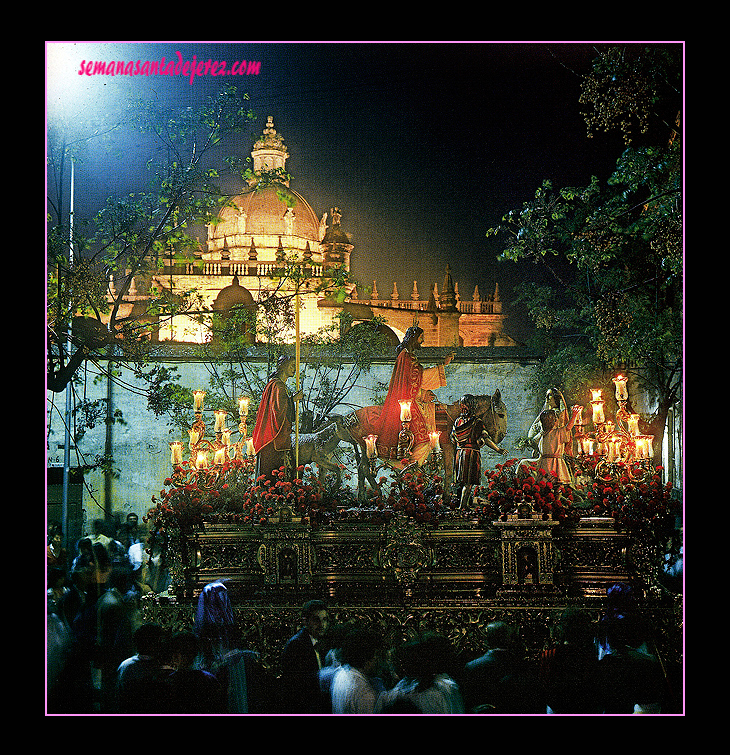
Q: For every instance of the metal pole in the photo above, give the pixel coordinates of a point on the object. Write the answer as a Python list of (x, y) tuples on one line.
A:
[(296, 403), (67, 418)]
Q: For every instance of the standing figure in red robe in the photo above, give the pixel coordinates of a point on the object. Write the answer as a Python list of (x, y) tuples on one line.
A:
[(410, 381), (272, 433)]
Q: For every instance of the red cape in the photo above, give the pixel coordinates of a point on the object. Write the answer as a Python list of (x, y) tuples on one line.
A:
[(273, 419), (405, 383)]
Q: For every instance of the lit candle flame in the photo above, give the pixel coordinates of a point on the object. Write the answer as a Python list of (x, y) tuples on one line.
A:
[(370, 444), (220, 419), (621, 393), (405, 410), (176, 452)]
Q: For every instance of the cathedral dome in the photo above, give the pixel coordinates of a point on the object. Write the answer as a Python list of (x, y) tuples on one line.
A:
[(275, 210)]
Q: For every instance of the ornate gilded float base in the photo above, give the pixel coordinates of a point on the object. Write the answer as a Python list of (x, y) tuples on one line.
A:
[(405, 578)]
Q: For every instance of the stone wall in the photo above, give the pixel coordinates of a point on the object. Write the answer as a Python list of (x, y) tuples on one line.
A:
[(140, 442)]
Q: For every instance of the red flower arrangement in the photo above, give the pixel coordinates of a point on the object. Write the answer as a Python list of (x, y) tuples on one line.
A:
[(504, 491), (645, 508)]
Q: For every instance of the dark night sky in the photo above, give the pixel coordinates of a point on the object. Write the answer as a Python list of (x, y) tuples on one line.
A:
[(423, 146)]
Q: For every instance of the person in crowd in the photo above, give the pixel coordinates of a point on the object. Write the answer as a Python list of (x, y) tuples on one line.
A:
[(426, 670), (117, 615), (56, 554), (352, 689), (149, 563), (301, 660), (247, 687), (631, 678), (140, 677), (132, 527), (100, 533), (187, 689), (569, 669), (501, 680)]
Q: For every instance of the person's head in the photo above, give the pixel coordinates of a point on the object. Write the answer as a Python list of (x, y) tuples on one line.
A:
[(286, 367), (468, 404), (412, 339), (182, 649), (548, 419), (55, 534), (574, 627), (500, 635), (552, 398), (361, 649), (149, 639), (132, 521), (316, 618)]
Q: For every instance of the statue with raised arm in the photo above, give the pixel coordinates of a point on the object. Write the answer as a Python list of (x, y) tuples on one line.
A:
[(272, 434), (468, 435)]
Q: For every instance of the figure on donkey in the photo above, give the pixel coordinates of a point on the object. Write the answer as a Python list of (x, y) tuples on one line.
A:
[(410, 380)]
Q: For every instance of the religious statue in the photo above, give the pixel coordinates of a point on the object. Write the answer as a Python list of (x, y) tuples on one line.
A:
[(413, 382), (468, 435), (272, 433), (553, 400), (553, 438)]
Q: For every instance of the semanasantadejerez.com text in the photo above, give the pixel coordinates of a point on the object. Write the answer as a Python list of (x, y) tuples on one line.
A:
[(172, 67)]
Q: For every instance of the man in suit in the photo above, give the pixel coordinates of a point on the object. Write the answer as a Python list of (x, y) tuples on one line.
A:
[(301, 661)]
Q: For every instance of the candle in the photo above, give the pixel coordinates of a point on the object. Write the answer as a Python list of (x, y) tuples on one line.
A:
[(596, 393), (202, 461), (598, 418), (198, 397), (614, 446), (578, 410), (220, 420), (405, 410), (434, 441), (621, 393), (243, 403), (220, 456), (226, 437), (370, 444), (642, 447), (633, 424), (194, 438), (250, 447), (587, 446), (176, 452)]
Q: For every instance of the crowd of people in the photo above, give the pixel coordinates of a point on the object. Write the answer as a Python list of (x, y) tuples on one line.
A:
[(101, 659)]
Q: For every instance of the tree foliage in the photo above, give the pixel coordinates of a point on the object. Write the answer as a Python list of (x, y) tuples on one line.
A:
[(92, 263), (614, 250)]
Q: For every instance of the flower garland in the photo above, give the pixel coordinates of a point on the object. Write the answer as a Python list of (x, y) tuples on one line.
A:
[(645, 508)]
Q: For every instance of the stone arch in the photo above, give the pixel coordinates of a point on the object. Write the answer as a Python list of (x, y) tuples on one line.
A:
[(239, 300)]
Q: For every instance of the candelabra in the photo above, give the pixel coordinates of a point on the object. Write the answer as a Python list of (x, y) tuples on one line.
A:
[(209, 457), (617, 448), (433, 464)]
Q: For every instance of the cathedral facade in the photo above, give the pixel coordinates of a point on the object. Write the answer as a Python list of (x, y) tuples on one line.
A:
[(270, 229)]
